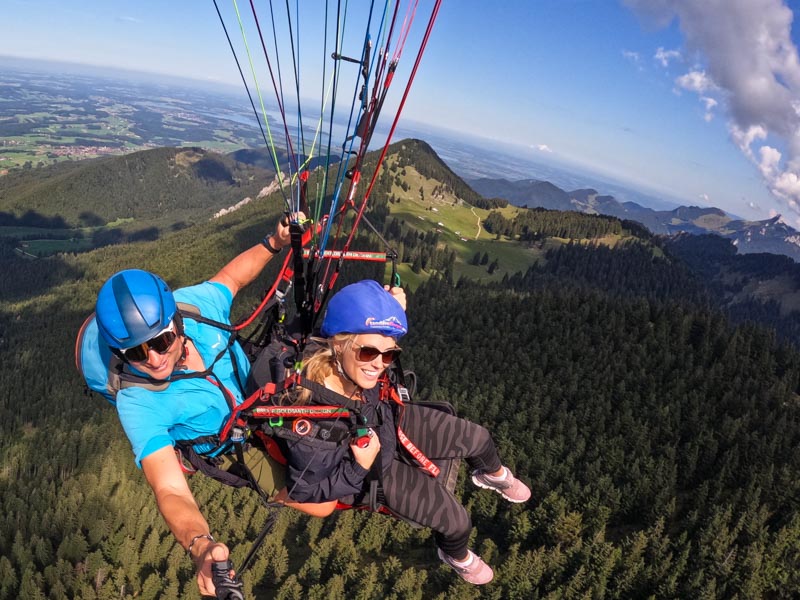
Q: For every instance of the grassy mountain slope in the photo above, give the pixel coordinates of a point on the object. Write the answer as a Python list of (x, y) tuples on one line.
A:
[(163, 185), (426, 197)]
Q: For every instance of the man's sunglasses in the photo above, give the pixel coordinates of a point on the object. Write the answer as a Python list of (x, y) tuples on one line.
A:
[(369, 353), (160, 343)]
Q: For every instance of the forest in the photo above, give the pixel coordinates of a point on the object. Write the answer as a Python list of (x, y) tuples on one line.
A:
[(659, 432), (161, 185)]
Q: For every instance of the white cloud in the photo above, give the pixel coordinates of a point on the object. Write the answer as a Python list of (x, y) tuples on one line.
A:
[(665, 56), (128, 19), (745, 138), (704, 198), (751, 63), (631, 56), (710, 104), (544, 148), (634, 58), (788, 185), (769, 163), (695, 81)]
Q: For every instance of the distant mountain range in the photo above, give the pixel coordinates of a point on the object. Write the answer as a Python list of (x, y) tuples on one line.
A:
[(771, 235)]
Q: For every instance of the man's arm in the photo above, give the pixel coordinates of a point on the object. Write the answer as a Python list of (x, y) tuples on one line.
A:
[(179, 509), (245, 267)]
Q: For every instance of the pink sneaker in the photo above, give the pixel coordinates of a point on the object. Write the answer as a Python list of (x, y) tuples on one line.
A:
[(475, 571), (509, 487)]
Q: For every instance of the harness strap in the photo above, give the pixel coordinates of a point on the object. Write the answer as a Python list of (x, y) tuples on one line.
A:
[(208, 468), (243, 469), (312, 411), (425, 463), (239, 474), (250, 404), (329, 395), (196, 316), (184, 463)]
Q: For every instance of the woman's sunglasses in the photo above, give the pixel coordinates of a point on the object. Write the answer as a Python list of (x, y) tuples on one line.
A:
[(160, 343), (369, 353)]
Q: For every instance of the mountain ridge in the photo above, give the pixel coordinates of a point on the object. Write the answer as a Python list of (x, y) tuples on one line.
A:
[(418, 196), (146, 186), (771, 235)]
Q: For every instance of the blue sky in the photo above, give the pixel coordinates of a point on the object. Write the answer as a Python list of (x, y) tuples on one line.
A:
[(694, 100)]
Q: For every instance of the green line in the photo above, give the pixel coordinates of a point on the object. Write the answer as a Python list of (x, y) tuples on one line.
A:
[(263, 108)]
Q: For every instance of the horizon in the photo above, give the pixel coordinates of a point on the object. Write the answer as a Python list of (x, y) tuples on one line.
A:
[(517, 168), (607, 89)]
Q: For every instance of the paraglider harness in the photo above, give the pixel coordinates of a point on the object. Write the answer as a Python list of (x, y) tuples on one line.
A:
[(265, 420), (262, 421)]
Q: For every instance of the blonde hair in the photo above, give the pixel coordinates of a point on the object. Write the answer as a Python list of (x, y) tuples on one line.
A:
[(323, 362)]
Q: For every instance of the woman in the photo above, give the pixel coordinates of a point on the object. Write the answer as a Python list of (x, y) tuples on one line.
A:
[(361, 327)]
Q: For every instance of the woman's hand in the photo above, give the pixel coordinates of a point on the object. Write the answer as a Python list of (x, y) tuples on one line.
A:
[(366, 456), (398, 294)]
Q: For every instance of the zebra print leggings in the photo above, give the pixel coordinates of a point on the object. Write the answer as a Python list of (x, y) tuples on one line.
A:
[(413, 494)]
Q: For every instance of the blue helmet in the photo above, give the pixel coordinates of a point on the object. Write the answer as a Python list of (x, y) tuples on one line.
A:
[(364, 307), (132, 307)]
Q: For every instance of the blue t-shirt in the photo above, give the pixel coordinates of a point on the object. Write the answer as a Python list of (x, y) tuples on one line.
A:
[(187, 408)]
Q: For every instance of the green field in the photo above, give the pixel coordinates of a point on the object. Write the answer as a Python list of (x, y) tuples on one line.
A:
[(21, 232), (459, 228), (40, 248), (37, 242), (62, 129)]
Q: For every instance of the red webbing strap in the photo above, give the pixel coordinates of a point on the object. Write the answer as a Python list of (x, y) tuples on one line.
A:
[(425, 463), (265, 392), (285, 275), (381, 509), (270, 389)]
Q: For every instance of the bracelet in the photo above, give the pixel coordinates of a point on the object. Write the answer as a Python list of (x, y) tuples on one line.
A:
[(270, 248), (208, 536)]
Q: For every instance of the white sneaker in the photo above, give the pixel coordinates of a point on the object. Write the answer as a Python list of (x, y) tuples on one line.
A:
[(510, 488), (475, 571)]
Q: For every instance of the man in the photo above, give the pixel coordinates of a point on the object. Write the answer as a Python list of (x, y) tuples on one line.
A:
[(185, 378)]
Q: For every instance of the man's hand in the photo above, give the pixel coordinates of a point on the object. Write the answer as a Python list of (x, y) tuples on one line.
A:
[(282, 236), (207, 554), (245, 267)]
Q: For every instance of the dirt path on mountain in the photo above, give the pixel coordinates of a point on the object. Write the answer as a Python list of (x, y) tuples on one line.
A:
[(477, 233)]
